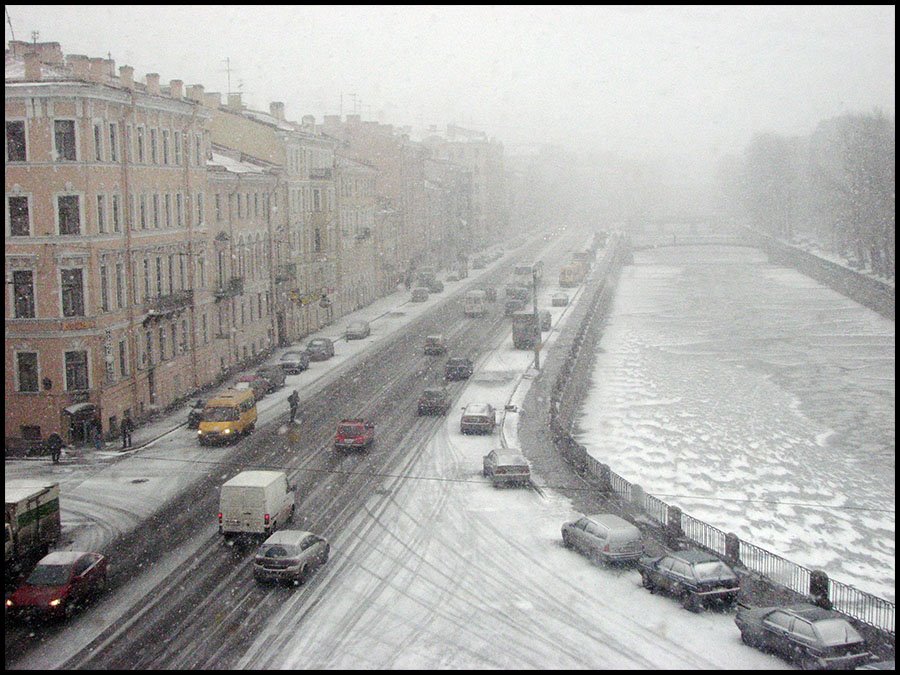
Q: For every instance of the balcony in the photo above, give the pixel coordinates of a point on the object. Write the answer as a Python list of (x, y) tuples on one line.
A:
[(285, 272), (166, 306), (364, 233), (234, 286)]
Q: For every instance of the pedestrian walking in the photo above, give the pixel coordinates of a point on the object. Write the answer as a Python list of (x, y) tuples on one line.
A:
[(127, 428), (55, 444), (293, 402), (97, 432)]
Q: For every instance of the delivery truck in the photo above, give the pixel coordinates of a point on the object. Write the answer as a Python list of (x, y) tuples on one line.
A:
[(254, 504), (32, 523)]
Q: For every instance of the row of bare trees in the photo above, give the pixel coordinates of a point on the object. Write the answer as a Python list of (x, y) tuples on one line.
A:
[(835, 186)]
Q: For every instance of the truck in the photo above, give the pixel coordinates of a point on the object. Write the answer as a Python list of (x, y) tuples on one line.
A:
[(573, 274), (254, 504), (527, 273), (525, 330), (32, 523)]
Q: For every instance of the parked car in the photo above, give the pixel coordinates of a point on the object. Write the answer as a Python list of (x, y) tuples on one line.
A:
[(274, 374), (808, 635), (546, 319), (453, 276), (458, 368), (490, 293), (354, 433), (435, 286), (605, 537), (61, 582), (419, 294), (697, 577), (478, 262), (434, 401), (290, 556), (259, 385), (320, 349), (435, 345), (195, 414), (478, 418), (559, 300), (357, 330), (294, 362), (506, 466)]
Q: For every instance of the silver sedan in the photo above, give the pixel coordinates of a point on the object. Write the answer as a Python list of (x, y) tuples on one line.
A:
[(290, 556)]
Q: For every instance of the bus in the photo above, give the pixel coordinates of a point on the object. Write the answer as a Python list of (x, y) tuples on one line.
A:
[(571, 275)]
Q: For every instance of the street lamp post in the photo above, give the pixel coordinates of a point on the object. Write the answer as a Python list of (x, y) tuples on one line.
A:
[(537, 321)]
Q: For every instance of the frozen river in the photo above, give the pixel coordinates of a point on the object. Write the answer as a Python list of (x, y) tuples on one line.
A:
[(755, 399)]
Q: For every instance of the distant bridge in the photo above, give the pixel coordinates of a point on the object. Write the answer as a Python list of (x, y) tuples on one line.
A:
[(642, 241)]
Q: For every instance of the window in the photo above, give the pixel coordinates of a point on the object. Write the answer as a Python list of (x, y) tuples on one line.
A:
[(140, 145), (179, 208), (15, 141), (218, 208), (72, 292), (27, 370), (318, 238), (120, 285), (159, 276), (69, 214), (101, 213), (171, 271), (174, 341), (162, 343), (154, 157), (98, 141), (104, 289), (146, 278), (201, 271), (123, 357), (182, 279), (317, 200), (143, 200), (76, 371), (205, 328), (198, 150), (23, 291), (148, 348), (113, 143), (116, 214), (178, 147), (165, 146), (64, 137), (168, 201), (200, 205), (156, 211), (184, 335), (19, 216)]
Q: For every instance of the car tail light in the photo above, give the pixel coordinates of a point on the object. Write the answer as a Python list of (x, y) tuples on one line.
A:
[(266, 517), (220, 519), (606, 549)]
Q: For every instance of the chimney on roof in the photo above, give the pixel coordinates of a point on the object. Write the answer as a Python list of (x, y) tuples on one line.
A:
[(212, 99), (32, 67), (176, 89), (80, 65), (99, 69), (195, 92), (153, 83), (276, 109), (331, 121), (126, 76), (234, 102), (308, 123)]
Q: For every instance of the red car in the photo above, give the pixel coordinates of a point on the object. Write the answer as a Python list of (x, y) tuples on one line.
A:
[(354, 433), (61, 581)]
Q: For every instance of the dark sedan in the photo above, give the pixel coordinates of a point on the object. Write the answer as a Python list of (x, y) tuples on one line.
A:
[(697, 577), (812, 637)]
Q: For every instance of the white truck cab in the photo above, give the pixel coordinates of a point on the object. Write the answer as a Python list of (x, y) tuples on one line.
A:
[(254, 504)]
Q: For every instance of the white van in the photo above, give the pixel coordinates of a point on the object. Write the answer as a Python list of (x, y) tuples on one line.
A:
[(475, 303), (255, 504)]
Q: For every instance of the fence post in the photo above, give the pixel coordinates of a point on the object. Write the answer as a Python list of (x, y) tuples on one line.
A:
[(818, 588), (674, 533), (732, 548), (605, 479)]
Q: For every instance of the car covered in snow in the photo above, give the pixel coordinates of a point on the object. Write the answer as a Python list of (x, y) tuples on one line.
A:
[(458, 368), (320, 349), (506, 466), (698, 578), (290, 556), (259, 385), (812, 637), (604, 537), (419, 294), (478, 418), (274, 374), (61, 582), (358, 330), (559, 300)]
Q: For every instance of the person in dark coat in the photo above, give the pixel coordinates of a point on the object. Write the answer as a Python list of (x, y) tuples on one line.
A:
[(293, 402), (97, 434), (127, 428), (55, 445)]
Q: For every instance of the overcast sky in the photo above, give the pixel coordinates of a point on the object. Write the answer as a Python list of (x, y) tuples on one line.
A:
[(667, 81)]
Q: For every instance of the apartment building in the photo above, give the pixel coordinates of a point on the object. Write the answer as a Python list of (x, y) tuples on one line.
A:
[(105, 242), (355, 186)]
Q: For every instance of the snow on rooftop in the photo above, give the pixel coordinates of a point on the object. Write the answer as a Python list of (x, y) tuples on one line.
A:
[(232, 165)]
